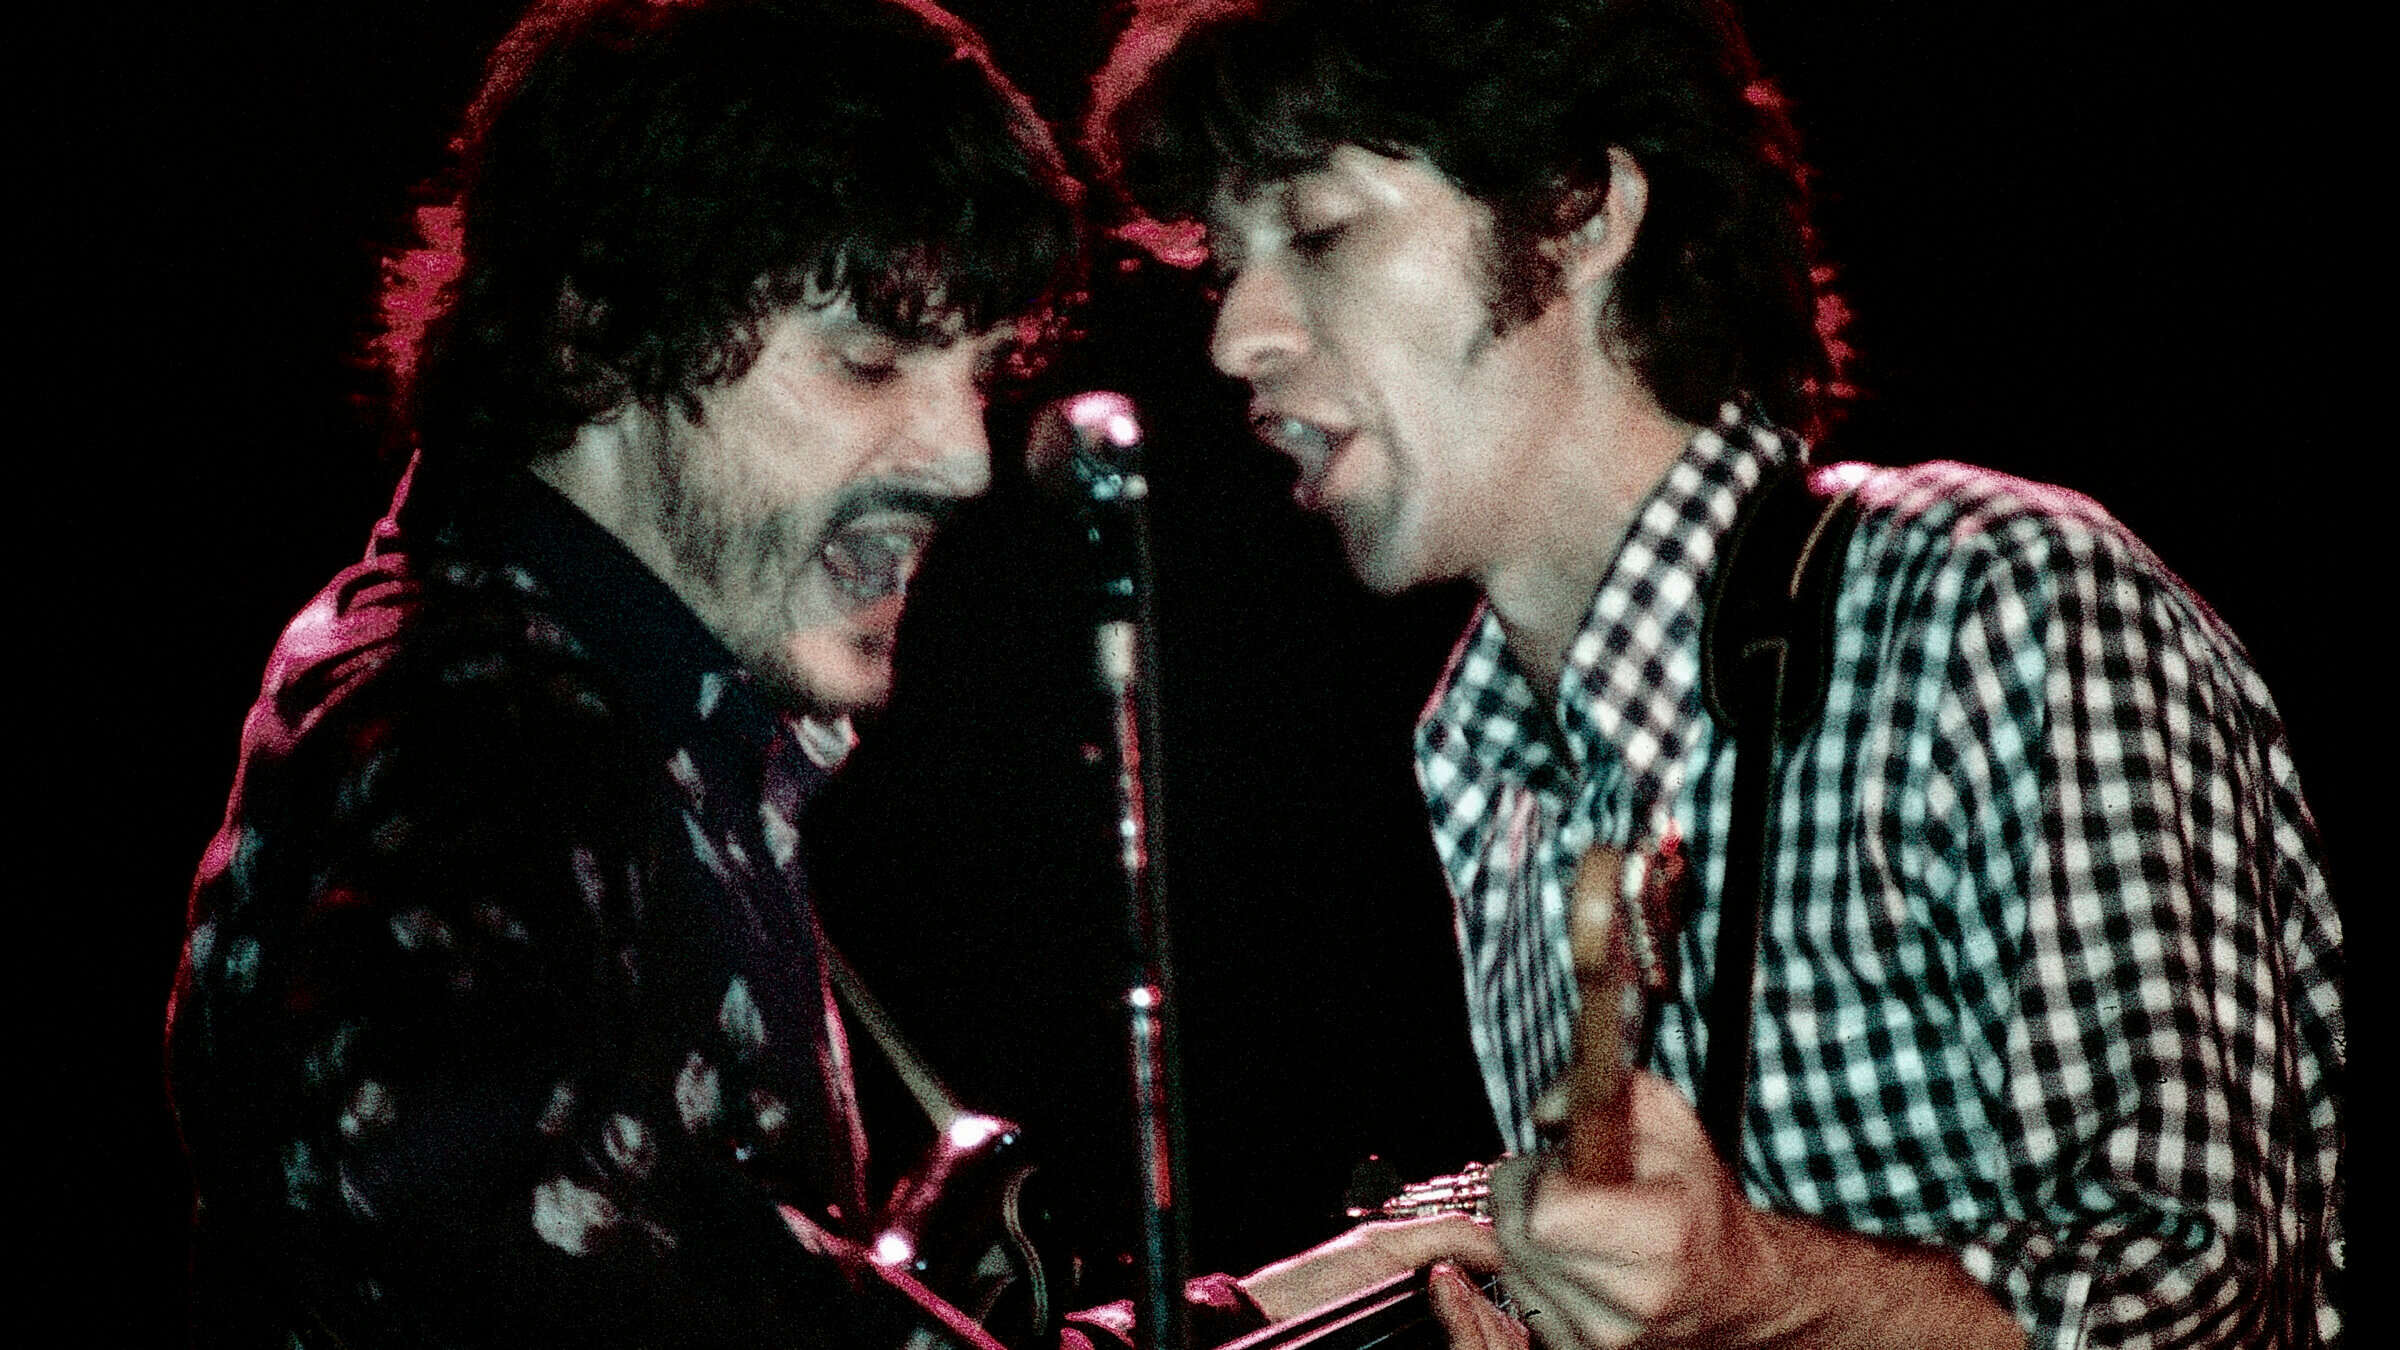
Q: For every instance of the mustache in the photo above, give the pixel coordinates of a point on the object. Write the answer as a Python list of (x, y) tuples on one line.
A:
[(868, 499), (874, 564)]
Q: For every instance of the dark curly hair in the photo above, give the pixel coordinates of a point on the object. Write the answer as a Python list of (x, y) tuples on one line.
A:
[(641, 183), (1518, 102)]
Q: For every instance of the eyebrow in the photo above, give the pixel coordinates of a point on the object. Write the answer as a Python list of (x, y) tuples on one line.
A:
[(938, 328)]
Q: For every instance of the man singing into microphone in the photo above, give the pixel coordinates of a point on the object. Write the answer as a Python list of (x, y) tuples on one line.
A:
[(2044, 1027), (503, 1014)]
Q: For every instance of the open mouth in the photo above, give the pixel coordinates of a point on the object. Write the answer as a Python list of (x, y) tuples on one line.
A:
[(871, 560), (1303, 441), (1311, 447)]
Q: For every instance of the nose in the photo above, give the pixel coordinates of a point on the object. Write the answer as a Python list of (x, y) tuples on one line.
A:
[(947, 446), (1259, 334)]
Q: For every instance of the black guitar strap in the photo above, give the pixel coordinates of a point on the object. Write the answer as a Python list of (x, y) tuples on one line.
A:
[(1766, 657)]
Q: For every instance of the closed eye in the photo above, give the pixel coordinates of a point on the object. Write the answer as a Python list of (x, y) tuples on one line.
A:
[(1315, 244)]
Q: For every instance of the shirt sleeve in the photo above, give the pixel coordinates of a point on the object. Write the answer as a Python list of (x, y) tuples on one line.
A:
[(416, 1044), (2167, 1026)]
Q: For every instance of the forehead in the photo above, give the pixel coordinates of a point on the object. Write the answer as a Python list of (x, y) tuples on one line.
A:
[(922, 296), (919, 321), (1242, 190), (1351, 182), (1355, 168)]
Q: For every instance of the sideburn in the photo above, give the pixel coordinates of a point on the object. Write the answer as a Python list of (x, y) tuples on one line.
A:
[(1521, 279), (690, 520)]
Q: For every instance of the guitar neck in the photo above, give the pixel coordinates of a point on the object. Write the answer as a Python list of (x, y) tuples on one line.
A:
[(1394, 1315), (1588, 1112)]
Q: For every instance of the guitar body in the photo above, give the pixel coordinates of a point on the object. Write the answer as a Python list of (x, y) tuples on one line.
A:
[(958, 1223)]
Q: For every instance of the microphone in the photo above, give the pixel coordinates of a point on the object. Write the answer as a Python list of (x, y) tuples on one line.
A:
[(1089, 446), (1086, 449)]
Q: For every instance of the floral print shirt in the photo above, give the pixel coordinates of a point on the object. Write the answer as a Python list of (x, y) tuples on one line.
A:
[(502, 1018)]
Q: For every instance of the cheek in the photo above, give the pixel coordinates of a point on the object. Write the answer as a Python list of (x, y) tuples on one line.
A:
[(783, 439), (1436, 295), (782, 492), (1419, 331)]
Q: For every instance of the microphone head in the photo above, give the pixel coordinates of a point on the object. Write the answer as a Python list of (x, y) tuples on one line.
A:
[(1096, 428)]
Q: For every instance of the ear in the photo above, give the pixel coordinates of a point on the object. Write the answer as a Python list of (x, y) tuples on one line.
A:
[(1590, 252)]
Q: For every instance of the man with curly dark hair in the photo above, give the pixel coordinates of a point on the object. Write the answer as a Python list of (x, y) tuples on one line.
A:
[(503, 1017), (2043, 1018)]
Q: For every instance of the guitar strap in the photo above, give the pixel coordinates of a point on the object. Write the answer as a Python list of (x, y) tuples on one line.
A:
[(1766, 658), (915, 1073)]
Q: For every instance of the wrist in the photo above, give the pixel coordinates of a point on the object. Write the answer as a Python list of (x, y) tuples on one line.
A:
[(1764, 1296), (1781, 1302), (1816, 1288)]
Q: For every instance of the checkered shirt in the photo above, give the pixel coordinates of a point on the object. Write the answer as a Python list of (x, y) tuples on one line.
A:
[(2050, 977)]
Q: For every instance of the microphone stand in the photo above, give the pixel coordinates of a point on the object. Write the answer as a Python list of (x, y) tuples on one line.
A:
[(1091, 445)]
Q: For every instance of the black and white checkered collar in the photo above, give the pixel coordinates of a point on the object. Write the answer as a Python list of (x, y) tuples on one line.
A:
[(1630, 688)]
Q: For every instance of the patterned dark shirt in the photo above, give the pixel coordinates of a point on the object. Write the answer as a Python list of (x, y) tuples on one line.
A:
[(502, 1018), (2051, 976)]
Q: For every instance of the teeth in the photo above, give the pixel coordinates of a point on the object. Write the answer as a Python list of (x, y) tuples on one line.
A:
[(1291, 435), (869, 565)]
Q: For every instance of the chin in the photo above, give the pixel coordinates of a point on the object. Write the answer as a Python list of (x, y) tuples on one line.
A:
[(1381, 570), (1380, 561), (833, 674), (1379, 581)]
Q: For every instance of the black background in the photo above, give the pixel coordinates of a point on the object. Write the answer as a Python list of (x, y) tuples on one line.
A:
[(2108, 245)]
